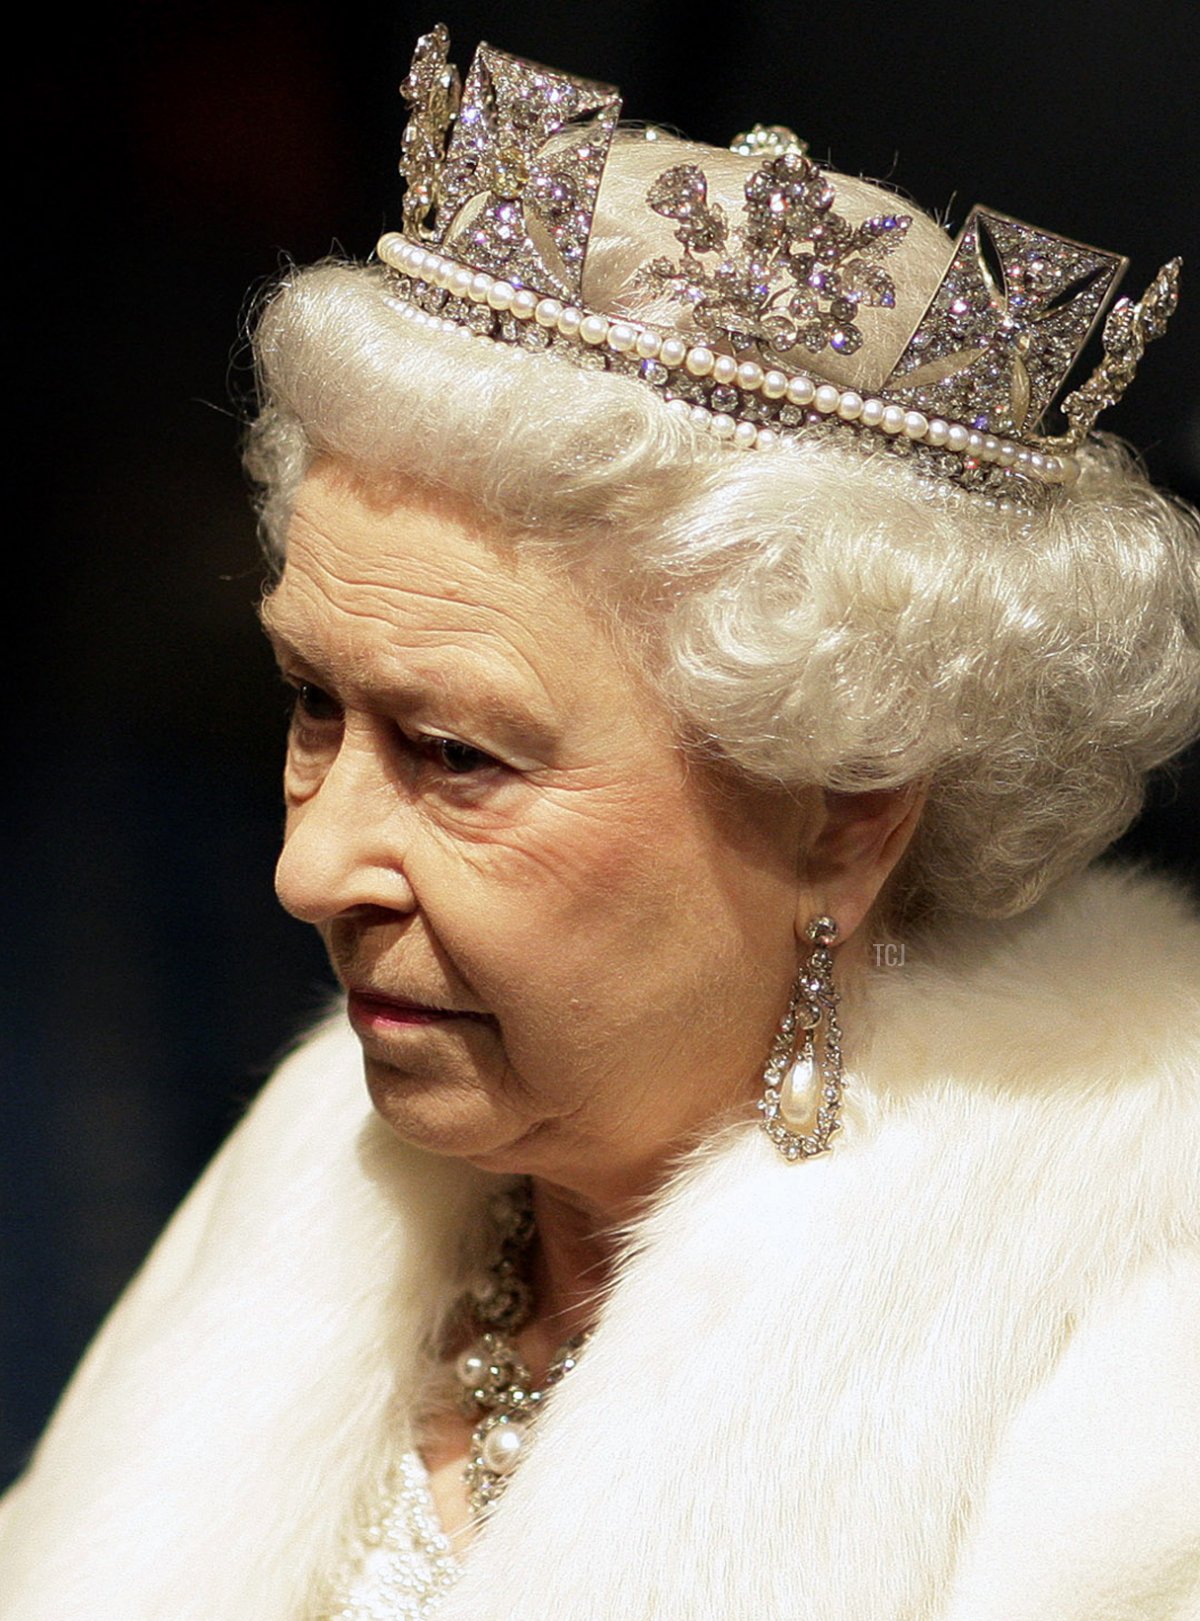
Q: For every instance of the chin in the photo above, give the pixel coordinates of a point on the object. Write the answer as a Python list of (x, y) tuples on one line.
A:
[(453, 1118)]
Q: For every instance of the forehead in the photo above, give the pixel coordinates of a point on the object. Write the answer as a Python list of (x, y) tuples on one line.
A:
[(350, 541), (409, 587)]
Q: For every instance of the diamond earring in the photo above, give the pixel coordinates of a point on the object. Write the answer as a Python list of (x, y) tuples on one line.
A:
[(799, 1080)]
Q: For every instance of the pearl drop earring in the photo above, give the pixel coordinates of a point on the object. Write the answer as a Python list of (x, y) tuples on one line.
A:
[(801, 1085)]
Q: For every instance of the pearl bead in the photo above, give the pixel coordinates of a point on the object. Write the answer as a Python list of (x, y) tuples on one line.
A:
[(547, 311), (766, 439), (502, 1447), (1006, 453), (501, 295), (460, 280), (672, 352), (471, 1369), (524, 303), (975, 442), (621, 337), (570, 321), (750, 376), (481, 285), (827, 399), (938, 431), (700, 361), (796, 1094), (1054, 469), (723, 426), (956, 439), (850, 406), (800, 390), (744, 435), (1037, 462), (680, 408), (775, 385), (725, 369), (593, 329), (893, 419), (916, 424), (872, 413), (647, 346), (699, 415), (991, 448)]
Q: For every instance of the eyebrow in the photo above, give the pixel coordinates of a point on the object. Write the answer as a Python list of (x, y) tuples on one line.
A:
[(492, 706), (275, 633), (284, 644)]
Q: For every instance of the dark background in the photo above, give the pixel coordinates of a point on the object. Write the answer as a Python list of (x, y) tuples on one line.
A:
[(167, 158)]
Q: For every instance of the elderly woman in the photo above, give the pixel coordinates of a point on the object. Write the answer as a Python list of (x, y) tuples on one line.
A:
[(709, 695)]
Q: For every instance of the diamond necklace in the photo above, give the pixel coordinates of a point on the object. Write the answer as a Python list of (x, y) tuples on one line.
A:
[(497, 1388), (402, 1564)]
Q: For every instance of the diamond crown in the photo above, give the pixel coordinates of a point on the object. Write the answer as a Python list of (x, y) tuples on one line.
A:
[(503, 175)]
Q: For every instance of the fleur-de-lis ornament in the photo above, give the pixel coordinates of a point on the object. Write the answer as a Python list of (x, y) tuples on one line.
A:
[(1012, 313), (1127, 331), (433, 91)]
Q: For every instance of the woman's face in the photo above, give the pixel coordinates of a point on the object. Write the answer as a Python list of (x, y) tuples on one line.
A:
[(566, 943)]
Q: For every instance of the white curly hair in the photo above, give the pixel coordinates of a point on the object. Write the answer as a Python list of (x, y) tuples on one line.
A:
[(820, 618)]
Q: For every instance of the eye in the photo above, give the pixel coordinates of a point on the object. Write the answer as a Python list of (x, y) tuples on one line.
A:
[(312, 704), (454, 757)]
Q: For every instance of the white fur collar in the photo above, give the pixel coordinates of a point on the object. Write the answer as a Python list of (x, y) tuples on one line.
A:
[(801, 1385)]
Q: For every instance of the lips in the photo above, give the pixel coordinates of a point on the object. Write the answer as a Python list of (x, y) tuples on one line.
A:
[(371, 1010)]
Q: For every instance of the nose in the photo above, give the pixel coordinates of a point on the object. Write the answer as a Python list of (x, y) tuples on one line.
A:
[(346, 842)]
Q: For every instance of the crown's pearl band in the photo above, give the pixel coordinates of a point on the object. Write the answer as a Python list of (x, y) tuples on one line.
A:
[(623, 337)]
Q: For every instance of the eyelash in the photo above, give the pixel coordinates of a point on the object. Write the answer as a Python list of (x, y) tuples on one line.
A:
[(308, 700)]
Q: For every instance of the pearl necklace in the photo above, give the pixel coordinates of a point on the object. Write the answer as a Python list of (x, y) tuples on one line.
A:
[(497, 1388), (403, 1564)]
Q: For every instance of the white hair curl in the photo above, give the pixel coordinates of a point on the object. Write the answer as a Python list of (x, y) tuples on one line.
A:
[(819, 616)]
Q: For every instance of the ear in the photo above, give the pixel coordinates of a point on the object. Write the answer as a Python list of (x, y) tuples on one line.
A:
[(860, 839)]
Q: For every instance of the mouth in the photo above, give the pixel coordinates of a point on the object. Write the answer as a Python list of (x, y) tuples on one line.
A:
[(371, 1012)]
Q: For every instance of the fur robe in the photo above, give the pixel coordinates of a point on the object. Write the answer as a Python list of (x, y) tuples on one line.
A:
[(949, 1372)]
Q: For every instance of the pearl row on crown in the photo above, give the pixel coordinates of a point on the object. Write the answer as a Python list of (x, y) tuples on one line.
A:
[(624, 337)]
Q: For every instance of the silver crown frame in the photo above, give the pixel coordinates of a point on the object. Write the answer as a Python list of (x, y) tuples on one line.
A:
[(503, 174)]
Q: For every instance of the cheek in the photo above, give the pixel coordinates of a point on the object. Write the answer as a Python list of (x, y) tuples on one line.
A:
[(584, 924), (579, 869)]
